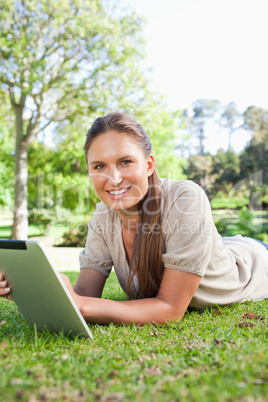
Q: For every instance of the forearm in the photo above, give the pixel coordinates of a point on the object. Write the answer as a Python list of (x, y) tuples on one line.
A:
[(176, 291), (144, 311)]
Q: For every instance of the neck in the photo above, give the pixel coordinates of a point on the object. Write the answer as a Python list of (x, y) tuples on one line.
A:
[(129, 222)]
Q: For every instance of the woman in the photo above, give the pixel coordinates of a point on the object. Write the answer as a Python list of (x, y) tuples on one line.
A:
[(158, 235)]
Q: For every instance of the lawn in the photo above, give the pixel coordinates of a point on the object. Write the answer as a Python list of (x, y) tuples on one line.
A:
[(215, 355)]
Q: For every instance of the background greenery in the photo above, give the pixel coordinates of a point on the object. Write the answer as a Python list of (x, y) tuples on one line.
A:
[(57, 74)]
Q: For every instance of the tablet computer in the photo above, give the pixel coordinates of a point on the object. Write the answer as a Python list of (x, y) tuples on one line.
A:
[(38, 289)]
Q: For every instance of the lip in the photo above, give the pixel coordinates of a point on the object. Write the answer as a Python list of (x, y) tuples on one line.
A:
[(121, 195)]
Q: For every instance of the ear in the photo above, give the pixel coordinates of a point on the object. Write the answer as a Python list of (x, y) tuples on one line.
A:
[(150, 165)]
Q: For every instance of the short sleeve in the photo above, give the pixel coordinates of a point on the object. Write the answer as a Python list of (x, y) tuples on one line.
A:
[(188, 229), (96, 254)]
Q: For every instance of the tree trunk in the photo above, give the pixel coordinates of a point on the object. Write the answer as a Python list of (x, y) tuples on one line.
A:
[(201, 141), (231, 131), (20, 223)]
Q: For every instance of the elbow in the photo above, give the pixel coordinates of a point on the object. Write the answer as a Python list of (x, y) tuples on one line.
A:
[(169, 312), (80, 291)]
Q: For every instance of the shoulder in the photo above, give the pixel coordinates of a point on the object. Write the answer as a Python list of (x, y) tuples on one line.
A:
[(184, 200), (169, 185), (174, 190)]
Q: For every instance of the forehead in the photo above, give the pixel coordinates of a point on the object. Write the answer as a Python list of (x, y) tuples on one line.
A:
[(114, 142)]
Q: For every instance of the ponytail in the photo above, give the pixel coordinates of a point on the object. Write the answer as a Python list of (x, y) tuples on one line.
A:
[(146, 262)]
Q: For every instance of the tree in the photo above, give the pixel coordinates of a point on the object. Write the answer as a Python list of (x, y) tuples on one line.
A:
[(228, 119), (226, 170), (161, 126), (199, 168), (254, 158), (62, 60), (203, 109), (256, 121), (255, 155), (184, 145)]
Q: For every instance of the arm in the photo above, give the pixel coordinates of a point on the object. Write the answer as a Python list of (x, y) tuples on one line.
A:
[(175, 293), (90, 283)]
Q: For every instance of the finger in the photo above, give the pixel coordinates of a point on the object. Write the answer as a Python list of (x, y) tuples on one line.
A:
[(4, 291)]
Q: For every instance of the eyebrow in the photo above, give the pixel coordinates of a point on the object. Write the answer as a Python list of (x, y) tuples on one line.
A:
[(118, 160)]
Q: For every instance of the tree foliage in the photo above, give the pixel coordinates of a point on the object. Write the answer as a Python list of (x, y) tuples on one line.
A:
[(62, 60), (203, 109), (7, 160), (229, 118), (226, 170), (199, 168), (254, 157)]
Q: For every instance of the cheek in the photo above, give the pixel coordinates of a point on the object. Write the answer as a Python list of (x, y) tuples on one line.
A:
[(95, 180)]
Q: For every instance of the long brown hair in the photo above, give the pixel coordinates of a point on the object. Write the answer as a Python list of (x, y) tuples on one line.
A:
[(146, 260)]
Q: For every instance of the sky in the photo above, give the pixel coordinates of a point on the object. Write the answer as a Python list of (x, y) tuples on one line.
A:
[(214, 49)]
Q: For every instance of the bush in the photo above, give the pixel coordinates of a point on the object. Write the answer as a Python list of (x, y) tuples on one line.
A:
[(41, 217), (246, 224), (221, 227), (74, 237)]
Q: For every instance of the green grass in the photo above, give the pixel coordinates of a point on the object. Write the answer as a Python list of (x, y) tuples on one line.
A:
[(56, 231), (228, 203), (208, 356)]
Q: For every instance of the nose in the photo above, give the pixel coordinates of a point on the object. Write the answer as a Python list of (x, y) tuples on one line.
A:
[(115, 177)]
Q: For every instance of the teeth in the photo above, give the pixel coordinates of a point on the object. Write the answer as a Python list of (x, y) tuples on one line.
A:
[(118, 192)]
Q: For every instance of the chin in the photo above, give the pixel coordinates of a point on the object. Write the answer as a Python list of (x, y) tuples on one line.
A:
[(124, 206)]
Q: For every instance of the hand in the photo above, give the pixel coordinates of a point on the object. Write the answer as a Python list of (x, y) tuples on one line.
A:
[(4, 287)]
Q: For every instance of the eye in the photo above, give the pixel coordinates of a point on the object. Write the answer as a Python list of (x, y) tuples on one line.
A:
[(98, 167), (126, 162)]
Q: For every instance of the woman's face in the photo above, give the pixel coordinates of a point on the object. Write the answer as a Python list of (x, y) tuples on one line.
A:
[(119, 170)]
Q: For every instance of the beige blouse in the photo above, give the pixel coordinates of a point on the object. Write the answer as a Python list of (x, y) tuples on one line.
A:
[(232, 271)]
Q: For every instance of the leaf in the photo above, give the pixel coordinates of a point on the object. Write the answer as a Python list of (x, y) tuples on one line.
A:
[(253, 316), (20, 393), (218, 312), (113, 374), (245, 324), (186, 373), (217, 342)]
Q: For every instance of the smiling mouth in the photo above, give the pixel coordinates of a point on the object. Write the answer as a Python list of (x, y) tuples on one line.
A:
[(119, 192)]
